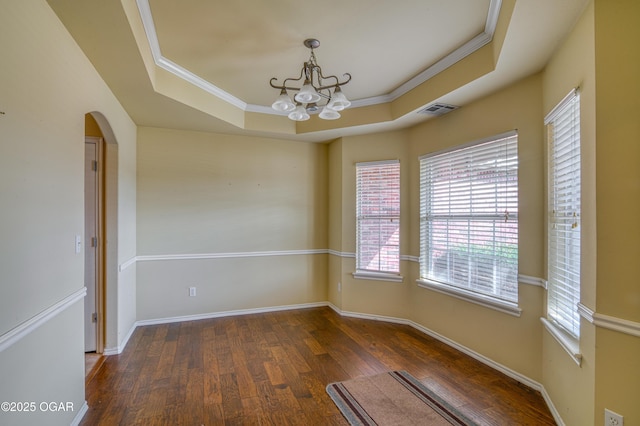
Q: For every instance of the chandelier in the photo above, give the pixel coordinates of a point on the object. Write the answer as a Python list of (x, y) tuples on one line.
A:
[(317, 91)]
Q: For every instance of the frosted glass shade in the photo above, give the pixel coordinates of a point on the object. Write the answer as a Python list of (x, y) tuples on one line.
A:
[(283, 103), (299, 114), (329, 114), (307, 94), (339, 101)]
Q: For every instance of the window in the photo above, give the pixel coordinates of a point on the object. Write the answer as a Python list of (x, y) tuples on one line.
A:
[(469, 221), (563, 135), (378, 217)]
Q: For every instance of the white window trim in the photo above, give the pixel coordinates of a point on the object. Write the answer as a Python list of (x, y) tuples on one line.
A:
[(569, 343), (377, 276), (472, 297)]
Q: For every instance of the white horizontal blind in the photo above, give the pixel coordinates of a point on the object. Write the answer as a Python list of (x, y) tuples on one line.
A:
[(378, 216), (563, 134), (469, 218)]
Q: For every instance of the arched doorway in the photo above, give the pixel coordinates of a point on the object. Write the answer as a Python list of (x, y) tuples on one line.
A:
[(101, 242)]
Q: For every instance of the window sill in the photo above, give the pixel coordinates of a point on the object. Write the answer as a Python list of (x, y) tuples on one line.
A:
[(569, 343), (378, 276), (478, 299)]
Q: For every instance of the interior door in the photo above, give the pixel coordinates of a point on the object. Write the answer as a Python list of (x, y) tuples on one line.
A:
[(91, 194)]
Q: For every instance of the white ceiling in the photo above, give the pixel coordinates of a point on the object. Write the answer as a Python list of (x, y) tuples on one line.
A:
[(233, 48)]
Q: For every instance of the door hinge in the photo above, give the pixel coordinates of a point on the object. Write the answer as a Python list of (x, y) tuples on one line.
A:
[(94, 165), (94, 317), (94, 241)]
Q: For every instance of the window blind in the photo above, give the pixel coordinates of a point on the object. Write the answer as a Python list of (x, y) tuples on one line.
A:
[(469, 218), (563, 135), (378, 216)]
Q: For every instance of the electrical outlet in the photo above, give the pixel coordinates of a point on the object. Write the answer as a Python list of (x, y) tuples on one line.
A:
[(192, 291), (612, 419)]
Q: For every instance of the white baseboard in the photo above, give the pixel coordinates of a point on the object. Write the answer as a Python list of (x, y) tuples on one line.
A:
[(552, 408), (221, 314), (118, 350), (78, 418)]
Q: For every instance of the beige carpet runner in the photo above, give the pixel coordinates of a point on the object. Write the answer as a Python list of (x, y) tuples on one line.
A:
[(393, 398)]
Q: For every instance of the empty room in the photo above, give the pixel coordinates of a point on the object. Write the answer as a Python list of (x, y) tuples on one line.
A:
[(415, 212)]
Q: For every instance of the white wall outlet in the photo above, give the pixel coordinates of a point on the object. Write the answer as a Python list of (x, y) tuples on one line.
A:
[(78, 244), (612, 419), (192, 291), (339, 287)]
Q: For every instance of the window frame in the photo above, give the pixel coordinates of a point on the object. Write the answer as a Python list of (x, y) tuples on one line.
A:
[(563, 238), (509, 306), (380, 274)]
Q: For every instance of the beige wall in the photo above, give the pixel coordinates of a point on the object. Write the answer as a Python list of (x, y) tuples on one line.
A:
[(47, 87), (617, 130), (511, 341), (334, 283), (359, 295), (216, 196)]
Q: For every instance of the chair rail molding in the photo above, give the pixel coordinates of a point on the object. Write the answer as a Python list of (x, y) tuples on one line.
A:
[(22, 330)]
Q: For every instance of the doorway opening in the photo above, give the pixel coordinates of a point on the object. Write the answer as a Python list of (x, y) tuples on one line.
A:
[(101, 238), (93, 250)]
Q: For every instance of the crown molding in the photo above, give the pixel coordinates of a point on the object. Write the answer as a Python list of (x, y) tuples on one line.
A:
[(152, 38), (458, 54)]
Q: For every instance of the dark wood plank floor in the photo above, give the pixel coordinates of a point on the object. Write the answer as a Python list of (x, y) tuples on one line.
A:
[(272, 369), (92, 363)]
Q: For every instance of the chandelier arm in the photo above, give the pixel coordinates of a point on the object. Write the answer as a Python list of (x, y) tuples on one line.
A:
[(274, 85), (284, 83), (338, 83)]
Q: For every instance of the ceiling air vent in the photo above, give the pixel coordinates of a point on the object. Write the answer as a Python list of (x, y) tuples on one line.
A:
[(438, 109)]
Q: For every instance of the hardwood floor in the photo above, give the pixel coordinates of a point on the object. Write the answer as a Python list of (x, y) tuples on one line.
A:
[(272, 369), (92, 363)]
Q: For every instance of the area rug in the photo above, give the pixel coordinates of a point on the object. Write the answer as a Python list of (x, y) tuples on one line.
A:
[(393, 398)]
